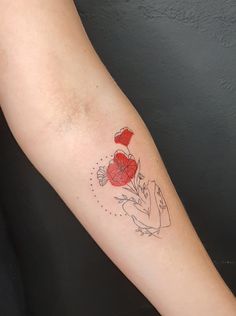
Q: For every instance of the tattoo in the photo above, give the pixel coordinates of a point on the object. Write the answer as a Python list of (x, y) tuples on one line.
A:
[(141, 200)]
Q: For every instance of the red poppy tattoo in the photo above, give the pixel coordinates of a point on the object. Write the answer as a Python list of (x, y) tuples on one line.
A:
[(121, 170), (143, 202)]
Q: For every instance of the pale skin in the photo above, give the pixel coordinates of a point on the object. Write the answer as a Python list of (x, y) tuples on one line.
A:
[(63, 107)]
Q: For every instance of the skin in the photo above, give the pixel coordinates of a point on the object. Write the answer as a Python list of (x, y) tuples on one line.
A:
[(63, 107)]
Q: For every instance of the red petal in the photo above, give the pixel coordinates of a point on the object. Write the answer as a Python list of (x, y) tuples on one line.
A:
[(123, 136), (121, 169)]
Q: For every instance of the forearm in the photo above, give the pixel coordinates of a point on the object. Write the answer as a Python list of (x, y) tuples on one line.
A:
[(64, 109)]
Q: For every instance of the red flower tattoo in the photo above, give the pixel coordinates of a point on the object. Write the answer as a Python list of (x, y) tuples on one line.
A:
[(144, 201), (123, 136), (121, 169)]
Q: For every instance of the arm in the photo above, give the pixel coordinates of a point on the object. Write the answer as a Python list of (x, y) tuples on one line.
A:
[(65, 109)]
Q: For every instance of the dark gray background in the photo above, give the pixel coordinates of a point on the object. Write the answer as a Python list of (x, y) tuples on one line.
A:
[(175, 60)]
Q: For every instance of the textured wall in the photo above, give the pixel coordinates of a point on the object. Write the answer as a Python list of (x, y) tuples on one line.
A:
[(175, 60)]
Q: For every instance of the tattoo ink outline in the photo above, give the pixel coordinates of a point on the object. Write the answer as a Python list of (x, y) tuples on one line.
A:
[(147, 198)]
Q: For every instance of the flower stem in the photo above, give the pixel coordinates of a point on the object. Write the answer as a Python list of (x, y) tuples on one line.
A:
[(128, 150)]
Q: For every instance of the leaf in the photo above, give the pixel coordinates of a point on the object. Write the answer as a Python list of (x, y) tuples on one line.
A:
[(130, 190), (141, 176)]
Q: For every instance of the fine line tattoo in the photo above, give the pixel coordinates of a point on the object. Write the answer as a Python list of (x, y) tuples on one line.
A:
[(142, 200)]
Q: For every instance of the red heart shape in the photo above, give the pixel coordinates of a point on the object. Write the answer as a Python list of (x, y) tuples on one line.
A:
[(121, 169)]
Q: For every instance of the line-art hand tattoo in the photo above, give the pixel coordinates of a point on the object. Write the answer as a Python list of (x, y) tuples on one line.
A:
[(142, 200)]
